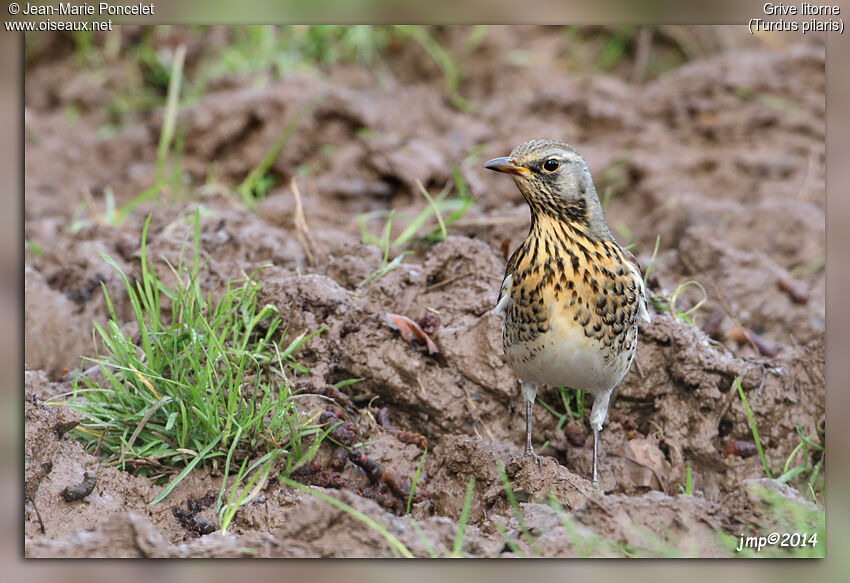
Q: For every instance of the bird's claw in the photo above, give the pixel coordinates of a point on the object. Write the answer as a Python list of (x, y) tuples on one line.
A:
[(537, 458)]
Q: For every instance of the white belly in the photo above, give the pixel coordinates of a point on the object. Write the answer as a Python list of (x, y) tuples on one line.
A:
[(568, 359)]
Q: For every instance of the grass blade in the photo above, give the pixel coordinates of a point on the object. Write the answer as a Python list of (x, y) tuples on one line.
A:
[(464, 518), (753, 427), (249, 186), (509, 492), (170, 111), (415, 480), (396, 545), (167, 490)]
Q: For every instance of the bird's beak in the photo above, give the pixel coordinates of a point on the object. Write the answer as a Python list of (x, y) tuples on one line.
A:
[(505, 164)]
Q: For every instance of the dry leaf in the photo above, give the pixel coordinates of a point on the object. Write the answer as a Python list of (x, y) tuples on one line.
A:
[(411, 331)]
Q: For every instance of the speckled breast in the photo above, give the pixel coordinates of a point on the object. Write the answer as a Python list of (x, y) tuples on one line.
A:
[(571, 318)]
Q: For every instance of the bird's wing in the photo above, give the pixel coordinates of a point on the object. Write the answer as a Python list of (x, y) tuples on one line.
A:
[(507, 282), (633, 265), (504, 294)]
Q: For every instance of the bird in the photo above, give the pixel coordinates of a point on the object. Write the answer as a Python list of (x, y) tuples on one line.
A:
[(571, 295)]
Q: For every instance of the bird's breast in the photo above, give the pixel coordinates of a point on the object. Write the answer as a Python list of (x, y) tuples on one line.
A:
[(569, 359), (571, 318)]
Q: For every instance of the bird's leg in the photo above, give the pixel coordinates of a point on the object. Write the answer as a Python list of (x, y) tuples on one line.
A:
[(529, 392), (597, 417), (595, 459)]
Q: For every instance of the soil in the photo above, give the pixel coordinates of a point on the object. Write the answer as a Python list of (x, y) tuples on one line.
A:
[(721, 158)]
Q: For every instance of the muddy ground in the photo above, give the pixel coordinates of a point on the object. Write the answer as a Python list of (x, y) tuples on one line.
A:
[(721, 157)]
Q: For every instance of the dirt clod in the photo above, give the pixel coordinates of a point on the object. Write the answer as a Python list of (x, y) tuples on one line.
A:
[(744, 335), (740, 448), (575, 434), (195, 526), (794, 290), (79, 491), (429, 322), (533, 483)]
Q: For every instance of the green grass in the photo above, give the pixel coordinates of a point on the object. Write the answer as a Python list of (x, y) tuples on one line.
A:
[(452, 74), (201, 382), (615, 47), (789, 517), (171, 106), (386, 265), (260, 51), (397, 547), (169, 150), (668, 303), (259, 181), (464, 518), (259, 472), (810, 269), (584, 543), (572, 401), (281, 50), (154, 78), (808, 472), (789, 473), (429, 225), (613, 182), (615, 50), (415, 480), (652, 258), (688, 488), (509, 493), (33, 247), (753, 428), (685, 315)]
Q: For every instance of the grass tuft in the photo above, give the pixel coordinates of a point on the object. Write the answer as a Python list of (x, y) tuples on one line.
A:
[(202, 382), (685, 315), (420, 227), (386, 265), (808, 464)]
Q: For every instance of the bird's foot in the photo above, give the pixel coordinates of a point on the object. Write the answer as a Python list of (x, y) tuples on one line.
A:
[(530, 453), (596, 485)]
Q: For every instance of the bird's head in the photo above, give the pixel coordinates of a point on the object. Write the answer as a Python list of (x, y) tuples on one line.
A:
[(555, 180)]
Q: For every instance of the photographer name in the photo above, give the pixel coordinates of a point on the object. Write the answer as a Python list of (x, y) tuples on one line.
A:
[(102, 9)]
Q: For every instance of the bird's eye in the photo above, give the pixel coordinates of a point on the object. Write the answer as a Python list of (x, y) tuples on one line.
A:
[(551, 165)]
